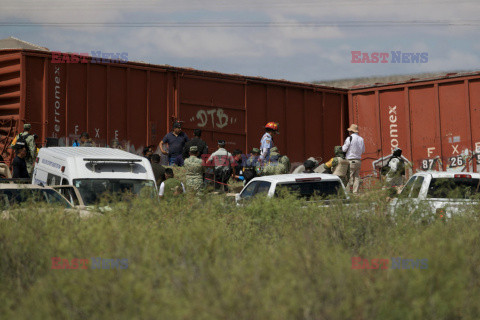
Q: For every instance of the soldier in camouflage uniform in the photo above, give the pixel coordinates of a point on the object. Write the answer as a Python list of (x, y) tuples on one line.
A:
[(271, 166), (285, 161), (194, 171), (277, 163), (339, 165)]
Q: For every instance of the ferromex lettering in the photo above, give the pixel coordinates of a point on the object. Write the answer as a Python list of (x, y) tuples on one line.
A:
[(57, 104), (392, 117)]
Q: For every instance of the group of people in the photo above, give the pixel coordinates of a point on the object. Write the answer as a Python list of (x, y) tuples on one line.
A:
[(221, 165)]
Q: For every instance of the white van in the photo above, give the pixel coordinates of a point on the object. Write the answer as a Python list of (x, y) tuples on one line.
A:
[(93, 171)]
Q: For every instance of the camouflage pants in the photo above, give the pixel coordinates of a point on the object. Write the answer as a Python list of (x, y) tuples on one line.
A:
[(194, 183), (30, 167)]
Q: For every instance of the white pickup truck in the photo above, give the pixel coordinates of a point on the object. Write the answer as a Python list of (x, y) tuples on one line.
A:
[(305, 185), (441, 194)]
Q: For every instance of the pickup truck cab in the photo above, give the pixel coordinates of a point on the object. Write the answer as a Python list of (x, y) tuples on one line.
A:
[(304, 185), (439, 193)]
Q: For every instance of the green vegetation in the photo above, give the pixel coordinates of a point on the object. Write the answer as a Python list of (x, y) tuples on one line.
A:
[(272, 259)]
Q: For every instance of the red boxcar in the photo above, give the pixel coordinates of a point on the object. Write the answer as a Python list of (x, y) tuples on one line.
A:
[(137, 104), (435, 122)]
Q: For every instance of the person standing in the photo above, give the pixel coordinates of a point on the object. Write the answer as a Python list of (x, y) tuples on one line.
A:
[(176, 141), (28, 141), (266, 143), (19, 164), (158, 169), (339, 165), (194, 171), (170, 187), (354, 147), (396, 169), (195, 141), (148, 152), (252, 166), (238, 165), (222, 161)]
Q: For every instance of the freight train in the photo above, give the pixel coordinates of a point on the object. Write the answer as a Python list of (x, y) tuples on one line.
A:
[(432, 120)]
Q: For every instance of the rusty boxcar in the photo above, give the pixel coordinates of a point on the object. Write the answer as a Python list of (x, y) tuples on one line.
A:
[(434, 121), (137, 104)]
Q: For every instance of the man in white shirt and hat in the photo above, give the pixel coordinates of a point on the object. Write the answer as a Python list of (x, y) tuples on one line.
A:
[(354, 147)]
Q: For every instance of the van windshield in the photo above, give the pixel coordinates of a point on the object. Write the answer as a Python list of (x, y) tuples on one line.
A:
[(92, 190)]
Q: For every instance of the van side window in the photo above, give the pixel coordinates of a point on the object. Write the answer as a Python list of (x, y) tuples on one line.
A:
[(64, 182), (53, 179)]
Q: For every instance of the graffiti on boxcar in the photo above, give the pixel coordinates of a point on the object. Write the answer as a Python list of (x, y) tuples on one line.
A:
[(218, 118)]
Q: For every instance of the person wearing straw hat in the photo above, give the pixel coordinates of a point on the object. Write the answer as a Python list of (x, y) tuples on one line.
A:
[(354, 147)]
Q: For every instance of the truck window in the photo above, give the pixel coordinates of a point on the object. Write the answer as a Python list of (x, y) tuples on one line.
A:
[(263, 187), (417, 186), (249, 190), (408, 187), (318, 189), (448, 188)]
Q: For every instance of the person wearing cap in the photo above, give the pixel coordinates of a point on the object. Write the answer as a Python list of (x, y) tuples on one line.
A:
[(354, 147), (194, 171), (272, 165), (301, 168), (26, 139), (175, 141), (86, 141), (266, 143), (252, 166), (338, 165), (195, 141), (309, 166), (396, 169), (222, 160)]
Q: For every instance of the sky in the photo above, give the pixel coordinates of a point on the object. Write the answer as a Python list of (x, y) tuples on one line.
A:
[(303, 40)]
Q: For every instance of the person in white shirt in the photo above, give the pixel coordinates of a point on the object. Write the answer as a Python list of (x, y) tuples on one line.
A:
[(222, 160), (171, 186), (354, 147)]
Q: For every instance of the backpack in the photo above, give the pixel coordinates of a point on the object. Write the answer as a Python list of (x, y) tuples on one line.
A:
[(401, 170), (21, 141)]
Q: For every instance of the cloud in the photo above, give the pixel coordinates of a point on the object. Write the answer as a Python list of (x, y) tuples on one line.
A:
[(290, 47)]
